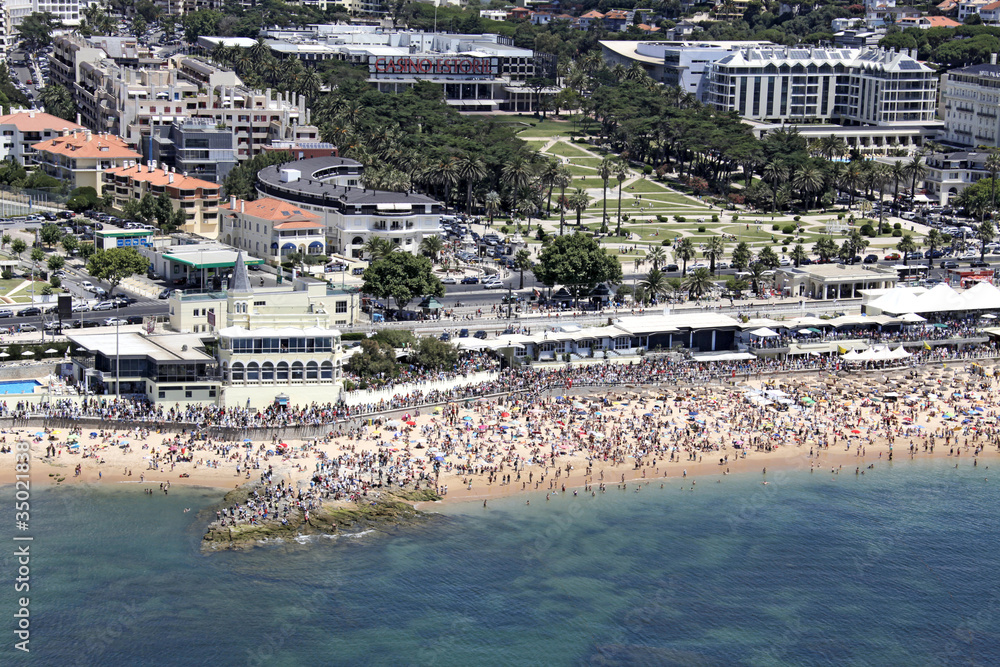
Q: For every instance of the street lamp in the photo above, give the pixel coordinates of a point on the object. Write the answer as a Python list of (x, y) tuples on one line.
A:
[(510, 298)]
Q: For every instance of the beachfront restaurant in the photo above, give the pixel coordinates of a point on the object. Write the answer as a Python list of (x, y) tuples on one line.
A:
[(168, 368), (833, 281)]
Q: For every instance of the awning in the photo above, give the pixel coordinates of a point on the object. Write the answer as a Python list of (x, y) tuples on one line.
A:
[(764, 332), (723, 356), (394, 207)]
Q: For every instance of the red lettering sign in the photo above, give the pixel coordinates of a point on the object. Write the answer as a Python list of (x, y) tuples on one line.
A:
[(431, 66)]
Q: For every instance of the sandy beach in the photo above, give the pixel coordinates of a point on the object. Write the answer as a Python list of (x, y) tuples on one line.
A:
[(481, 450)]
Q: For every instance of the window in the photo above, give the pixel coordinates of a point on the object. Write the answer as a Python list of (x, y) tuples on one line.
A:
[(297, 371), (237, 374), (312, 370), (326, 370), (253, 371), (187, 393), (282, 370), (267, 371), (341, 307), (621, 343)]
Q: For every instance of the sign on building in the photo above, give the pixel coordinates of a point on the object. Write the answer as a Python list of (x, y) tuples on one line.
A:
[(434, 66)]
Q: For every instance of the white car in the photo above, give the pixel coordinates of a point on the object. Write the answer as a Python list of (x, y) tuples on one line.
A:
[(449, 281), (87, 285), (784, 261), (81, 307), (697, 265), (114, 321), (105, 305)]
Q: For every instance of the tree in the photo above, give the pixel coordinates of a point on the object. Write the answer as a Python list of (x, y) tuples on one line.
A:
[(4, 240), (684, 251), (808, 181), (242, 179), (715, 249), (522, 262), (756, 270), (579, 201), (430, 247), (434, 355), (915, 170), (798, 254), (82, 199), (577, 261), (905, 246), (378, 248), (51, 235), (655, 283), (376, 360), (825, 248), (621, 173), (699, 282), (36, 30), (115, 265), (492, 203), (742, 256), (403, 277), (604, 171), (55, 262), (37, 255), (657, 255), (562, 180), (58, 101), (18, 246), (768, 258), (516, 174), (987, 232), (69, 244)]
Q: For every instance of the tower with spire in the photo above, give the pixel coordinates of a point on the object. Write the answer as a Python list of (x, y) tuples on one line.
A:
[(240, 292)]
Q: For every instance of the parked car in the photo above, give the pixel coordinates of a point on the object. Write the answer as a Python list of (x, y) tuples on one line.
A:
[(30, 310), (669, 268), (871, 259), (949, 264), (470, 280), (449, 280), (6, 312), (492, 284), (115, 321), (87, 285), (134, 319), (464, 333), (481, 334), (445, 336), (979, 264), (105, 305), (81, 307), (892, 257), (164, 293)]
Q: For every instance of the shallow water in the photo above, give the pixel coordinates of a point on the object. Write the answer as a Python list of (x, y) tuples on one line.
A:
[(896, 567)]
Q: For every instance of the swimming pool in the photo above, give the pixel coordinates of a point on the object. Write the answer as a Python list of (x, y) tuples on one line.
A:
[(19, 386)]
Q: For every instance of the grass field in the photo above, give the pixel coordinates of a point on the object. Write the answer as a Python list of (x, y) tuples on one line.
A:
[(563, 149)]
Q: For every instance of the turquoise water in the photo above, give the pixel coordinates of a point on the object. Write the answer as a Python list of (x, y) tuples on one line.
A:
[(19, 386), (896, 567)]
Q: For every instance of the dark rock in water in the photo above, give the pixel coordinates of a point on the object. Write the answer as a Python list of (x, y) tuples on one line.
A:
[(375, 512)]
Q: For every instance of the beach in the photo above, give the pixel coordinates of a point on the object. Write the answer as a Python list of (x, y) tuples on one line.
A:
[(479, 450)]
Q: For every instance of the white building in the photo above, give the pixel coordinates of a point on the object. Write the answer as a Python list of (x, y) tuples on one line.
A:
[(851, 86), (971, 100), (23, 128), (330, 188), (683, 64), (66, 12), (272, 229)]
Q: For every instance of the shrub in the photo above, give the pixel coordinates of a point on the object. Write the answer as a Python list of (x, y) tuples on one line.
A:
[(647, 169), (735, 218), (867, 230), (788, 229), (662, 218), (701, 229), (897, 233), (680, 218), (715, 217), (775, 227), (897, 226), (797, 218), (665, 242), (840, 216), (46, 290), (7, 274), (55, 281)]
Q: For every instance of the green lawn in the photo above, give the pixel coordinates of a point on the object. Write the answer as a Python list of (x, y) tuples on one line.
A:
[(594, 162), (580, 171), (541, 128), (536, 145), (581, 182), (7, 285), (563, 149)]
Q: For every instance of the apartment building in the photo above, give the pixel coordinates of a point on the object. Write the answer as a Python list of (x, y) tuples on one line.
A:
[(134, 103), (66, 12), (850, 86), (272, 229), (80, 158), (70, 50), (196, 147), (329, 187), (970, 97), (22, 129), (197, 198)]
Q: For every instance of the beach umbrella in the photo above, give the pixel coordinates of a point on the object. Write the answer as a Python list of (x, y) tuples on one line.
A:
[(4, 354), (246, 440), (93, 434), (39, 434), (51, 350), (467, 418), (27, 353)]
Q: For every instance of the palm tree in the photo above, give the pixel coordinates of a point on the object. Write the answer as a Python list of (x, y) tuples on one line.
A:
[(516, 174), (741, 256), (808, 180), (905, 246), (825, 248), (492, 202), (522, 261), (756, 270), (993, 167), (562, 180), (431, 246), (579, 201), (768, 258), (605, 170), (655, 283), (715, 248), (915, 170), (857, 243), (684, 252), (621, 173), (699, 282), (933, 241), (798, 254), (657, 256), (260, 50), (987, 232), (471, 170), (377, 247), (881, 175), (852, 179), (774, 173), (898, 171)]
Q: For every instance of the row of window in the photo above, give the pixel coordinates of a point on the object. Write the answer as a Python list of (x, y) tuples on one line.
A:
[(254, 372), (280, 345)]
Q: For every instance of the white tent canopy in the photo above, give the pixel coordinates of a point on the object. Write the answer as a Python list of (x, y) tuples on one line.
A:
[(912, 318), (982, 296), (764, 332)]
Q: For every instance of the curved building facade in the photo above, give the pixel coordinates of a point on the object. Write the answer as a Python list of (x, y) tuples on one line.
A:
[(330, 187)]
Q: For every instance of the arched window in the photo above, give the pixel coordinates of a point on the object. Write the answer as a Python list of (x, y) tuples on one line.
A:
[(282, 370), (357, 240), (267, 371), (312, 371), (326, 370), (253, 372), (296, 371), (237, 372)]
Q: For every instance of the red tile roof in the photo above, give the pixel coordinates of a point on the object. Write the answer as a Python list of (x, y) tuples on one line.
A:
[(274, 209), (159, 177), (37, 121), (78, 145)]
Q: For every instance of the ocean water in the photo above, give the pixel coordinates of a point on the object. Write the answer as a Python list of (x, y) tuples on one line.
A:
[(896, 567)]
